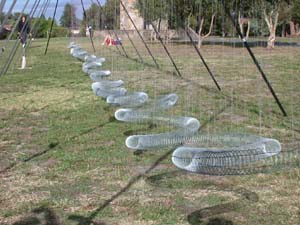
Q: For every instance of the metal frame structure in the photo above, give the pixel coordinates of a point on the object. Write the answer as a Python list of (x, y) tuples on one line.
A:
[(259, 68)]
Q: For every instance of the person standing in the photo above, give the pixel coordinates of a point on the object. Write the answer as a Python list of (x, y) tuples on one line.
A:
[(23, 32)]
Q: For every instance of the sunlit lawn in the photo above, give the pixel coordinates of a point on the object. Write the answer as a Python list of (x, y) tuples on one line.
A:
[(63, 157)]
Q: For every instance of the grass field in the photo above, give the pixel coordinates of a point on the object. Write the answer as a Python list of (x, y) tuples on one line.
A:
[(63, 159)]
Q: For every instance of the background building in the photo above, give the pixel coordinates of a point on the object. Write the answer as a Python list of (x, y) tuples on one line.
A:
[(125, 21)]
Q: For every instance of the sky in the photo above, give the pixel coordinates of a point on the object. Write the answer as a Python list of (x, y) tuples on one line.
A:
[(61, 3)]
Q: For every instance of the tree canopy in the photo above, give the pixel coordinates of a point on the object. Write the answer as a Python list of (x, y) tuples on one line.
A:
[(68, 18), (180, 12)]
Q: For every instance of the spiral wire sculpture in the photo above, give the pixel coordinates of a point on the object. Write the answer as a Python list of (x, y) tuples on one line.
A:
[(223, 154)]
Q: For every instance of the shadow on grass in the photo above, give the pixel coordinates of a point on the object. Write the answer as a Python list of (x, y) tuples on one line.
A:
[(41, 215), (12, 165), (53, 145), (214, 221), (206, 215), (82, 220), (85, 220), (88, 220), (132, 132), (46, 216), (200, 216)]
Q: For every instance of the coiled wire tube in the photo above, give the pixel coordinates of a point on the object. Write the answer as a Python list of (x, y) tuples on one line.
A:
[(236, 151), (105, 84), (98, 75), (103, 92), (88, 66), (164, 102), (73, 46), (132, 100), (154, 141), (93, 58), (79, 53)]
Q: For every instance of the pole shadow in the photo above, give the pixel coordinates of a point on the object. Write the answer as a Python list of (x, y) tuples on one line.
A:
[(39, 216), (89, 220), (54, 145), (207, 215)]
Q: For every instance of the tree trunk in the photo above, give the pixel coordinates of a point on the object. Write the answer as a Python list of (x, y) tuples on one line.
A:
[(153, 36), (167, 36), (272, 25), (297, 29), (248, 29), (159, 22), (271, 40), (292, 28), (283, 30), (200, 39), (201, 36)]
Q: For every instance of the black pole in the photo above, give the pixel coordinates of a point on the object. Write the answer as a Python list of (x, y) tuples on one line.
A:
[(163, 44), (166, 49), (114, 34), (132, 43), (7, 14), (203, 60), (36, 25), (2, 4), (120, 43), (227, 11), (53, 19), (117, 47), (16, 45), (101, 8), (106, 27), (87, 23), (149, 51), (13, 29)]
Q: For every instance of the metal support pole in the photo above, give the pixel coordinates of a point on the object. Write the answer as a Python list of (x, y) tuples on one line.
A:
[(16, 45), (36, 25), (7, 15), (2, 4), (13, 29), (116, 35), (166, 49), (117, 47), (149, 51), (203, 60), (227, 11), (86, 20), (132, 43), (53, 19)]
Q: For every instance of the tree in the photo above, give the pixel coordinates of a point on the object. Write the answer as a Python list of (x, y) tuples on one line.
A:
[(272, 21), (200, 34), (68, 18), (198, 14), (111, 14), (242, 21), (271, 13), (153, 11), (2, 15), (94, 16), (295, 18)]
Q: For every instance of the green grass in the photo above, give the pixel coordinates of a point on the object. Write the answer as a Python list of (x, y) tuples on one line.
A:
[(64, 155)]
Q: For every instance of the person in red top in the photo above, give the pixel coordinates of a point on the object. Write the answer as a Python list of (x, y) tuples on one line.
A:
[(109, 41)]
